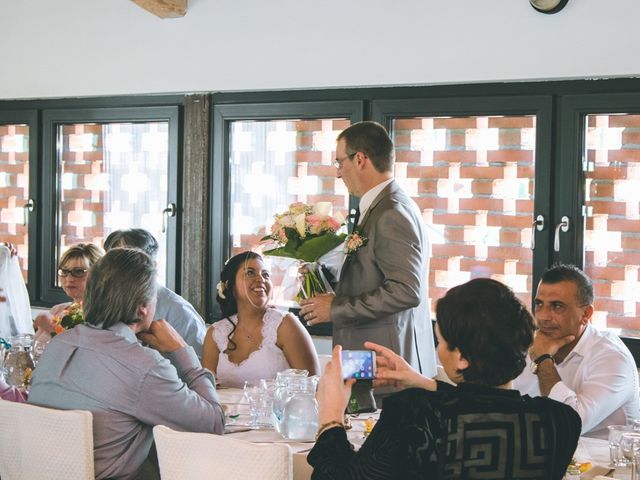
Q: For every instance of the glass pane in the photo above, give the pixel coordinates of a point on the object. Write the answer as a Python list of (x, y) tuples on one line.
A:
[(473, 179), (612, 226), (273, 164), (14, 189), (112, 176)]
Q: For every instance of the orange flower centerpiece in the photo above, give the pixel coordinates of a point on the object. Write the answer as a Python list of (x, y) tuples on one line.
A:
[(69, 318), (306, 232)]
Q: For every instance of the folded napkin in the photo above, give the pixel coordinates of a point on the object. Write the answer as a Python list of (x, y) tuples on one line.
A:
[(597, 472)]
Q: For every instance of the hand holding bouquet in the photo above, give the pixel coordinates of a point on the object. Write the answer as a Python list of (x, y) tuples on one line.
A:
[(305, 233)]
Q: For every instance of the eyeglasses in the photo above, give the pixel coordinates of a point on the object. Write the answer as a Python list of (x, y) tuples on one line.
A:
[(75, 272), (338, 162)]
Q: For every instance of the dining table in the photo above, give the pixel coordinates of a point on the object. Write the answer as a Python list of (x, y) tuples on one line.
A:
[(594, 451)]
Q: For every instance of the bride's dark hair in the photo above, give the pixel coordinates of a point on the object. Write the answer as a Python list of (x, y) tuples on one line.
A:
[(228, 304)]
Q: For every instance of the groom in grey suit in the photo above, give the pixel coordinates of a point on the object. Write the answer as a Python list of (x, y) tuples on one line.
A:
[(382, 289)]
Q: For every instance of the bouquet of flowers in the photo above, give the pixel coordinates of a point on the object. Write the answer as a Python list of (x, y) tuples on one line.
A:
[(69, 318), (305, 233)]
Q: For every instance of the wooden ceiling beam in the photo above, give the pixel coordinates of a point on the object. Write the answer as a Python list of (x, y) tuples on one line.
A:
[(164, 8)]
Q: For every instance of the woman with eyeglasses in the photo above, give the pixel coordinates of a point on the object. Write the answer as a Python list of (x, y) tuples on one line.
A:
[(72, 273)]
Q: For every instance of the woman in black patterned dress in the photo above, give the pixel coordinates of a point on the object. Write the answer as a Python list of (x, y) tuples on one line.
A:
[(479, 428)]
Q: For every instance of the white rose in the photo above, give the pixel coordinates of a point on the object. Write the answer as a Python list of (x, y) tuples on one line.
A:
[(301, 224), (322, 209)]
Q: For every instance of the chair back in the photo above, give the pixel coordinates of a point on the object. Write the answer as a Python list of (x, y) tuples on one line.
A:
[(205, 456), (38, 442)]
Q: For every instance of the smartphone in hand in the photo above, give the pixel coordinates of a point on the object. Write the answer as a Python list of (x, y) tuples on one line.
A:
[(359, 364)]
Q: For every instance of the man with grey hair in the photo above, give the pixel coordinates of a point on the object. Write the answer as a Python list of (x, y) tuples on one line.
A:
[(129, 388), (171, 306)]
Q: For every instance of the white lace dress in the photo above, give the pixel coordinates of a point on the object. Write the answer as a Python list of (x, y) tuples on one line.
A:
[(262, 363)]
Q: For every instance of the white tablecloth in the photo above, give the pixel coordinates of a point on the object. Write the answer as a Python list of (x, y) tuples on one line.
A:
[(596, 451), (235, 403)]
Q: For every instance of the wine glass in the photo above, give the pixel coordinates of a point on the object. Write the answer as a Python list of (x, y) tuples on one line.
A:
[(37, 348), (615, 435), (630, 447)]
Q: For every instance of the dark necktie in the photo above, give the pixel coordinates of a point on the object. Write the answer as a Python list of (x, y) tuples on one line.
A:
[(355, 216)]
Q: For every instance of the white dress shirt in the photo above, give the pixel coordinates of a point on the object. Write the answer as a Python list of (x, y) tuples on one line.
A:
[(599, 380), (334, 260), (367, 199)]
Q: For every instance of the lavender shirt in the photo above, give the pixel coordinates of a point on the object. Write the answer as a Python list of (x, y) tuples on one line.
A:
[(128, 388)]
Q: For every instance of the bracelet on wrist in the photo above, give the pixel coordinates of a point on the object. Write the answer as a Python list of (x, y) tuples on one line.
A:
[(325, 426)]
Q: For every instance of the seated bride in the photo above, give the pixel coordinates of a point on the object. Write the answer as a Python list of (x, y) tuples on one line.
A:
[(252, 340)]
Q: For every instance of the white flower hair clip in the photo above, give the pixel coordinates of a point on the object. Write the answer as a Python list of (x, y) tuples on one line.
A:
[(221, 287)]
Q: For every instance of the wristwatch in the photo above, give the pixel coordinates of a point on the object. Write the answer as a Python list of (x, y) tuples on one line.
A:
[(536, 363)]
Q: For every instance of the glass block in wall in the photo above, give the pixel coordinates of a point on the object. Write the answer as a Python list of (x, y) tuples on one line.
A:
[(14, 189), (612, 224), (273, 164), (112, 176), (473, 179)]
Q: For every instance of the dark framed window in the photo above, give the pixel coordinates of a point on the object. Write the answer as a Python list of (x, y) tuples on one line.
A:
[(265, 157), (56, 158), (19, 222), (599, 196), (479, 170), (107, 169)]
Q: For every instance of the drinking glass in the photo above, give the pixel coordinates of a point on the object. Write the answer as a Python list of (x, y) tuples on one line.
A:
[(630, 447), (260, 398), (37, 348), (615, 453)]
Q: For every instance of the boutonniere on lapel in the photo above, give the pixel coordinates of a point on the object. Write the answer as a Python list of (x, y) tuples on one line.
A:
[(354, 242)]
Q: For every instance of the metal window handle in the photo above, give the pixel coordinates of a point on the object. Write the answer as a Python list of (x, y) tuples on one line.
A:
[(30, 206), (564, 226), (170, 211), (538, 225)]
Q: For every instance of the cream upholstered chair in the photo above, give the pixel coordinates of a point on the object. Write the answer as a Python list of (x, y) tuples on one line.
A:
[(205, 456), (39, 442)]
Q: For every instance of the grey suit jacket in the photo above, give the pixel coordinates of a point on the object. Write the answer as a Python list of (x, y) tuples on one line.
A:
[(382, 291)]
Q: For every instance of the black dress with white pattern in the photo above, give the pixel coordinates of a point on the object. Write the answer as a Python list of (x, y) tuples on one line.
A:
[(464, 432)]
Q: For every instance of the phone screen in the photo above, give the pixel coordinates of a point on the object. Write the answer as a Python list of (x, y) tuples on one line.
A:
[(358, 364)]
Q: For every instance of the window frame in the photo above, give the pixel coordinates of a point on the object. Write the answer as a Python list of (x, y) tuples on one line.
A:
[(30, 117), (54, 118), (223, 116), (385, 111)]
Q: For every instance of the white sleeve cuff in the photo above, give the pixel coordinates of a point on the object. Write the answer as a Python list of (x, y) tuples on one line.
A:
[(563, 394)]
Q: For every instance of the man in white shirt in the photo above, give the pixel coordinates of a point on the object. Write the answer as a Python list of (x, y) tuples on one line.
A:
[(574, 363)]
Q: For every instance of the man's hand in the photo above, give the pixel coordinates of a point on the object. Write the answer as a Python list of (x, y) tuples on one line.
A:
[(393, 370), (161, 336), (317, 309), (333, 392), (543, 343)]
